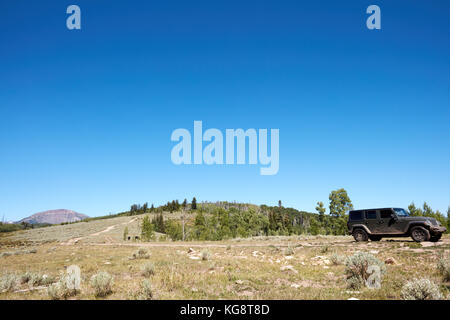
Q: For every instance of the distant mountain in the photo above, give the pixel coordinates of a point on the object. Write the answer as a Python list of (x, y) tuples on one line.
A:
[(54, 217)]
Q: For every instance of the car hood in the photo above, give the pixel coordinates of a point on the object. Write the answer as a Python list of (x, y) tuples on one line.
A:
[(416, 218)]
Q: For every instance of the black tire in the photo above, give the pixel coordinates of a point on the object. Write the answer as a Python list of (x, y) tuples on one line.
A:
[(375, 238), (436, 238), (360, 235), (420, 234)]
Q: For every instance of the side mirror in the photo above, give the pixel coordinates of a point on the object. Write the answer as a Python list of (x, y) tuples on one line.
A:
[(394, 216)]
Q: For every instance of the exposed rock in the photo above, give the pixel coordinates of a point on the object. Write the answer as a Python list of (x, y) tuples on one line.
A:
[(255, 253), (390, 260), (288, 268), (246, 293)]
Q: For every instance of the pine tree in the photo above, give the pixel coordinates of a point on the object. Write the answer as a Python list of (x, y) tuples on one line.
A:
[(413, 211), (340, 203), (147, 232), (125, 233), (194, 204), (448, 219), (158, 221), (427, 211), (321, 210)]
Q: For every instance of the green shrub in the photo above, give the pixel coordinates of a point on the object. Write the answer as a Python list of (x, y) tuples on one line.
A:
[(146, 292), (205, 255), (36, 279), (8, 282), (414, 245), (324, 249), (444, 267), (16, 253), (24, 278), (289, 251), (6, 254), (174, 230), (357, 269), (148, 269), (53, 291), (337, 259), (421, 289), (141, 253), (102, 283), (64, 288)]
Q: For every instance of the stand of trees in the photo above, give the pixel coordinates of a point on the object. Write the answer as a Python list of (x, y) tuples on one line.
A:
[(229, 220), (224, 220), (426, 211), (10, 227)]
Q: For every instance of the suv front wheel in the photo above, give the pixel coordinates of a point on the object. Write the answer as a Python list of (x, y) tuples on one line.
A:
[(436, 238), (419, 234), (360, 235)]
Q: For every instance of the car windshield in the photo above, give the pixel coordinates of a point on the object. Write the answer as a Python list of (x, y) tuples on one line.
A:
[(401, 212)]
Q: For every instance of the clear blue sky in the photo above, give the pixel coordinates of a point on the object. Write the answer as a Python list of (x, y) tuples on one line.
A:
[(86, 116)]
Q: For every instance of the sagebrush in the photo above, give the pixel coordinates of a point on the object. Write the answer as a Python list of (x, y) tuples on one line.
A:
[(421, 289), (357, 269), (444, 267), (102, 283), (148, 269)]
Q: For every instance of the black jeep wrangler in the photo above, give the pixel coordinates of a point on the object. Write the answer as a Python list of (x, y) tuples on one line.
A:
[(374, 224)]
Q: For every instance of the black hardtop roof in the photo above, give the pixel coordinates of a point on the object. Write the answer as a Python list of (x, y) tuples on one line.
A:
[(374, 209)]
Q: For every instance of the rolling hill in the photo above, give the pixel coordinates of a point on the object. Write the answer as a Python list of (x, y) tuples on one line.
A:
[(54, 217)]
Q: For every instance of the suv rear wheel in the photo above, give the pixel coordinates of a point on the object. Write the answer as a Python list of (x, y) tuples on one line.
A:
[(419, 234), (360, 235)]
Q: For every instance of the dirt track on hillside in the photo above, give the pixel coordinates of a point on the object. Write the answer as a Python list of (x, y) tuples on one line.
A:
[(76, 240)]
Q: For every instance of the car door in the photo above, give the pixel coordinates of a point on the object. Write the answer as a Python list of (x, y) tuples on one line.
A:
[(371, 221), (386, 223)]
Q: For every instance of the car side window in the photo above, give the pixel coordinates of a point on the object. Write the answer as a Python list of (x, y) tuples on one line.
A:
[(385, 214), (356, 215), (371, 214)]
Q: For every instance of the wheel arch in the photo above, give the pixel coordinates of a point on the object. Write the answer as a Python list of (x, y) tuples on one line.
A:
[(360, 226), (416, 224)]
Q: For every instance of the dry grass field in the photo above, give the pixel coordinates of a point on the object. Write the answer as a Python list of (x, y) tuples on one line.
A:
[(294, 267)]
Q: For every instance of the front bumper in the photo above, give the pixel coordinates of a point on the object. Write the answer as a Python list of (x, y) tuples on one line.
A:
[(437, 229)]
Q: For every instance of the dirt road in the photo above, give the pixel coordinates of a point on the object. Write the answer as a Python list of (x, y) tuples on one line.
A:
[(76, 240)]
